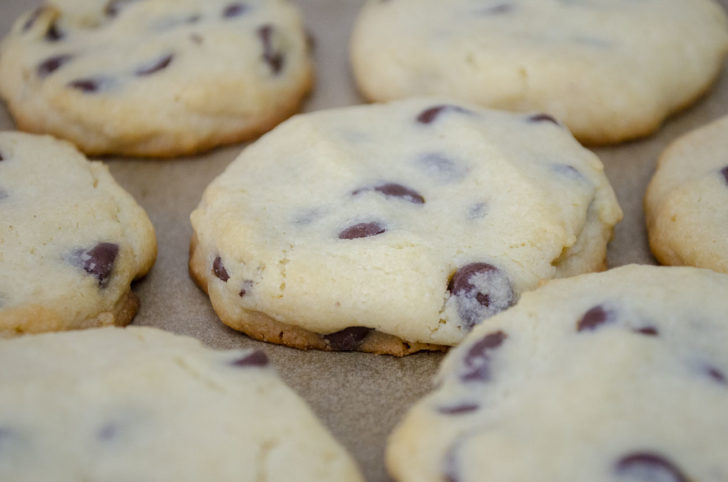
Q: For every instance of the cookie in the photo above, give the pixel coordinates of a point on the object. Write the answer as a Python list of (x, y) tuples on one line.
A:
[(611, 70), (612, 377), (686, 201), (71, 239), (395, 228), (140, 404), (155, 77)]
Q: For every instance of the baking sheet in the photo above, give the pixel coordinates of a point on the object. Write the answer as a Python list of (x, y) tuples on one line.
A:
[(359, 397)]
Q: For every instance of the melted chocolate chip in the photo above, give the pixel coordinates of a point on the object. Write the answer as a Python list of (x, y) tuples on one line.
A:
[(716, 375), (391, 189), (362, 230), (87, 86), (477, 360), (595, 317), (247, 286), (33, 18), (98, 261), (648, 331), (255, 359), (52, 64), (441, 168), (234, 10), (497, 9), (53, 34), (273, 58), (458, 409), (648, 467), (219, 270), (348, 339), (481, 290), (724, 171), (159, 64), (543, 118), (428, 116)]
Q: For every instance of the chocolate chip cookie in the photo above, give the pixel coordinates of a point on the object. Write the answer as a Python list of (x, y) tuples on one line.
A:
[(396, 228), (611, 70), (686, 203), (72, 240), (139, 404), (610, 377), (155, 77)]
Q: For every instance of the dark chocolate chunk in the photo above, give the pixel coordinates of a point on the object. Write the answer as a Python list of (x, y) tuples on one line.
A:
[(392, 189), (481, 290), (477, 360), (272, 57), (428, 116), (648, 331), (648, 467), (716, 375), (440, 167), (52, 64), (98, 261), (348, 339), (595, 317), (218, 269), (234, 10), (362, 230), (33, 18), (724, 171), (53, 34), (543, 118), (153, 67), (497, 9), (88, 86), (458, 409), (255, 359)]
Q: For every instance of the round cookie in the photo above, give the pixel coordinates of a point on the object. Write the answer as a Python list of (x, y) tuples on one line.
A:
[(155, 77), (619, 376), (139, 404), (72, 239), (396, 228), (611, 70), (686, 204)]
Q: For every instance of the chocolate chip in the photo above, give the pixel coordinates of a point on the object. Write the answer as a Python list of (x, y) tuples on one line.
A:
[(481, 290), (543, 118), (255, 359), (53, 34), (497, 9), (33, 18), (234, 10), (477, 360), (52, 64), (595, 317), (648, 331), (716, 375), (391, 189), (362, 230), (724, 171), (440, 167), (88, 86), (273, 58), (648, 467), (159, 64), (458, 409), (247, 286), (428, 116), (218, 269), (98, 261), (348, 339)]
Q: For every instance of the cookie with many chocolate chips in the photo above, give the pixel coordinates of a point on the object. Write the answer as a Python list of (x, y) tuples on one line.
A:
[(611, 70), (619, 376), (71, 240), (155, 77), (396, 228), (139, 404), (686, 204)]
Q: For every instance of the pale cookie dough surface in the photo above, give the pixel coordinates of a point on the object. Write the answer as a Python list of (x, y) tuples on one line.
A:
[(71, 239), (140, 404), (155, 77), (611, 70), (415, 219), (619, 376), (686, 204)]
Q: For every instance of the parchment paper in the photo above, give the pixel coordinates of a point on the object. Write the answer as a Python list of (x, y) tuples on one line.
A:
[(359, 397)]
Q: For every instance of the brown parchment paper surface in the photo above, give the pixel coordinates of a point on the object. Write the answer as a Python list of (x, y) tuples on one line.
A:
[(359, 397)]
